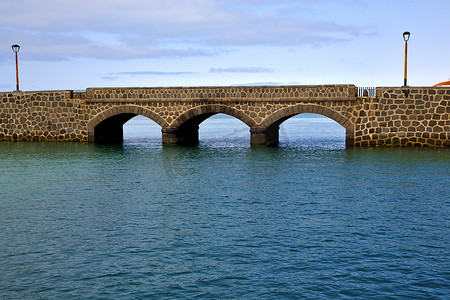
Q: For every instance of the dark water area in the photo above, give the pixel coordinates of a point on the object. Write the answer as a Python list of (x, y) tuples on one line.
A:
[(308, 219)]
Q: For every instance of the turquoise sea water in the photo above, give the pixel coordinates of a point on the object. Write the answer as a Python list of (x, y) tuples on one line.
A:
[(308, 219)]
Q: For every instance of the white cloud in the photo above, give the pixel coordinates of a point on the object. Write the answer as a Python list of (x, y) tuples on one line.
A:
[(159, 73), (79, 43), (241, 70), (124, 29)]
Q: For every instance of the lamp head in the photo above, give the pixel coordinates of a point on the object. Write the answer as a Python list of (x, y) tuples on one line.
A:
[(15, 48), (406, 35)]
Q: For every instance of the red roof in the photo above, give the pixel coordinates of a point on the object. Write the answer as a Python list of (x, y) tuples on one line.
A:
[(443, 83)]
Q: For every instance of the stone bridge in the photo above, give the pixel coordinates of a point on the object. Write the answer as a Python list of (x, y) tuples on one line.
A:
[(393, 117)]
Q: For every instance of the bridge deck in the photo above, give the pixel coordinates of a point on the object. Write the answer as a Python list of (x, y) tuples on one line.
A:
[(310, 93)]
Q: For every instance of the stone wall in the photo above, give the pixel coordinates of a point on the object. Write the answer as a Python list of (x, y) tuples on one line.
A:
[(42, 116), (225, 94), (405, 117), (395, 117)]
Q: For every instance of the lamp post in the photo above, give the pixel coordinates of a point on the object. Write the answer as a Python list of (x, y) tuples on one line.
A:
[(406, 36), (16, 49)]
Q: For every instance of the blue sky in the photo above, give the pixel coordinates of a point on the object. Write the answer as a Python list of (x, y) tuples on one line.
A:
[(75, 44)]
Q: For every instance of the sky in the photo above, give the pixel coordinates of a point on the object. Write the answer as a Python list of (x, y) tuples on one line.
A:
[(76, 44)]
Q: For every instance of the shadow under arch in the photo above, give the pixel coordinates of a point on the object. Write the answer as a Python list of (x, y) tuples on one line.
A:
[(268, 131), (184, 130), (107, 126)]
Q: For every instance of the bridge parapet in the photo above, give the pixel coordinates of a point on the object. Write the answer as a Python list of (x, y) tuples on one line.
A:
[(414, 93), (225, 94)]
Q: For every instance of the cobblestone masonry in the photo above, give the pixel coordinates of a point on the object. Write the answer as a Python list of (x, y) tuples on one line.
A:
[(395, 117)]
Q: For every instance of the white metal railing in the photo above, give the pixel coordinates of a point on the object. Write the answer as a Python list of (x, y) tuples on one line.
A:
[(367, 91)]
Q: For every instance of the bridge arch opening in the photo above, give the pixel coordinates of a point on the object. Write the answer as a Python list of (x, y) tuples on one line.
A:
[(311, 130), (268, 132), (222, 130), (110, 130), (141, 129), (185, 129), (108, 126)]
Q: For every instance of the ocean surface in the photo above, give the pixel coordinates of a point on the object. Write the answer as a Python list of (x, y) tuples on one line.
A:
[(309, 219)]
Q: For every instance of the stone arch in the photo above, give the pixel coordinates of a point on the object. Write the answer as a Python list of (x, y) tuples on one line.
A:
[(184, 130), (119, 116), (209, 110), (268, 129)]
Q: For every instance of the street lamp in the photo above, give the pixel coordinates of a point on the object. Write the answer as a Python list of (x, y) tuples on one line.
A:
[(16, 49), (406, 36)]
